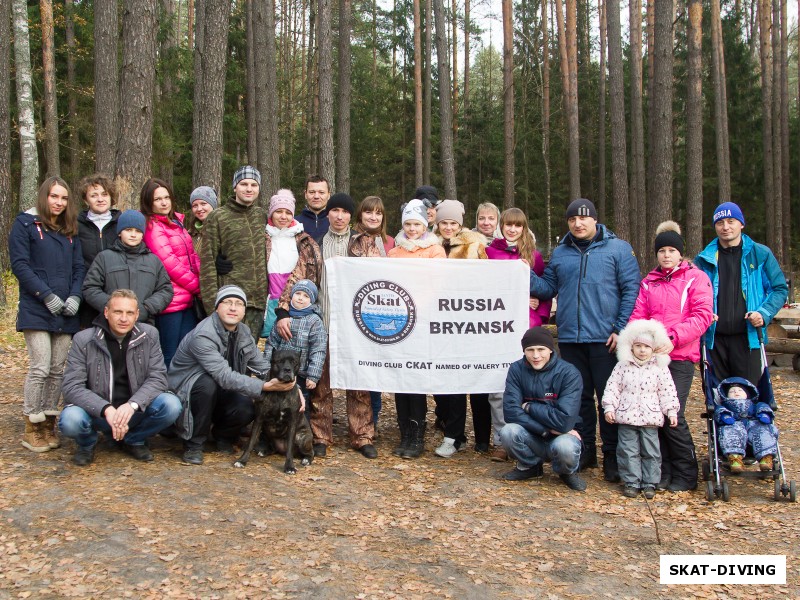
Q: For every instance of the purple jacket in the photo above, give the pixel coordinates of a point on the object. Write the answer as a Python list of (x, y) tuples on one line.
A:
[(500, 250)]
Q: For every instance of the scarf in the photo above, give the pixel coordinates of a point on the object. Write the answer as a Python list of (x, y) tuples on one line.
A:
[(296, 313), (99, 221), (376, 236)]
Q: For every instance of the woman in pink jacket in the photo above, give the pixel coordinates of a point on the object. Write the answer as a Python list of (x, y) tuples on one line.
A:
[(168, 239), (679, 295)]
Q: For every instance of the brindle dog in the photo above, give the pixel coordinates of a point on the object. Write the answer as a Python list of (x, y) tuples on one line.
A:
[(278, 413)]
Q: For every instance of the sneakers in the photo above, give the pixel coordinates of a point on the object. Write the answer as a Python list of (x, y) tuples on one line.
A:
[(573, 481), (498, 454), (649, 491), (83, 456), (630, 490), (193, 456), (517, 474), (765, 464), (449, 447), (320, 451), (735, 463), (139, 452), (368, 450)]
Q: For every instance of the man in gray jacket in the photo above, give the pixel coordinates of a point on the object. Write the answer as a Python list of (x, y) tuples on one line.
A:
[(211, 373), (116, 382)]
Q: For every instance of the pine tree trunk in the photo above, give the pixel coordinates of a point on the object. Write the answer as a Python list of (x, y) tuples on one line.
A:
[(343, 126), (508, 103), (785, 191), (546, 125), (135, 141), (72, 103), (418, 173), (165, 156), (720, 104), (209, 108), (776, 128), (446, 115), (427, 93), (764, 23), (6, 195), (659, 176), (465, 94), (190, 14), (638, 187), (50, 141), (198, 122), (106, 85), (694, 130), (601, 118), (266, 98), (324, 36), (573, 123), (455, 71), (252, 128), (29, 157), (616, 101)]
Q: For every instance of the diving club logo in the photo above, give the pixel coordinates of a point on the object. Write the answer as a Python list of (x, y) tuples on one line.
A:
[(384, 312)]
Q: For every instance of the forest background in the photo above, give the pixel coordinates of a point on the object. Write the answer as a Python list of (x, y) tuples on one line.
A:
[(653, 110)]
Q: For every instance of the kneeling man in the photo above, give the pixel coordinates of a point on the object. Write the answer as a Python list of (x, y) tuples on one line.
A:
[(541, 403), (211, 372), (116, 382)]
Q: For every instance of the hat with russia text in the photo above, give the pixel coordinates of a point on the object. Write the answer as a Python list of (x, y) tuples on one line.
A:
[(728, 210)]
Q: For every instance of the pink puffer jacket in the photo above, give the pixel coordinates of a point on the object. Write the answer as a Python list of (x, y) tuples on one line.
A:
[(683, 302), (170, 242), (499, 249)]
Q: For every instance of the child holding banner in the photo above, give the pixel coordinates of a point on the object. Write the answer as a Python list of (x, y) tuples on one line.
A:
[(517, 243), (415, 241), (451, 409)]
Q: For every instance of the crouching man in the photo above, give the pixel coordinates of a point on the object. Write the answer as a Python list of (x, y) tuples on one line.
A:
[(211, 372), (541, 404), (116, 382)]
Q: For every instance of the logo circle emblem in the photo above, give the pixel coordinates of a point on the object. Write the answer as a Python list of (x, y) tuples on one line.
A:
[(384, 311)]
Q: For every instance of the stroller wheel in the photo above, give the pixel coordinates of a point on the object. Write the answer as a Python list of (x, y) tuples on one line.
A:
[(706, 468), (726, 493), (792, 491), (777, 489), (710, 495)]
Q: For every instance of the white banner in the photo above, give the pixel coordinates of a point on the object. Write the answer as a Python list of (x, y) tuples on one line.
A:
[(431, 326)]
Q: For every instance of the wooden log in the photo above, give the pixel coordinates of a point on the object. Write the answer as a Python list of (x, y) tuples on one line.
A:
[(783, 346)]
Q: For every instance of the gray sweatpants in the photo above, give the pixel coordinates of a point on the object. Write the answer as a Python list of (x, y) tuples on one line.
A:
[(639, 456)]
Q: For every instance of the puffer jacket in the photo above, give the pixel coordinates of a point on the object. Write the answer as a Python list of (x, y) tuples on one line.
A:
[(132, 268), (309, 266), (596, 288), (88, 377), (171, 243), (236, 231), (427, 246), (740, 409), (764, 285), (682, 301), (93, 240), (44, 262), (640, 395), (203, 351), (499, 249), (309, 338), (553, 395)]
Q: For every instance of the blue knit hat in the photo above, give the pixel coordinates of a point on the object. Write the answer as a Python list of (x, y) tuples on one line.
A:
[(130, 219), (246, 172), (307, 286), (728, 210)]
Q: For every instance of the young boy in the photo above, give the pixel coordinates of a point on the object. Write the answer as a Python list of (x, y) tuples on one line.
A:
[(129, 264), (742, 419), (309, 337)]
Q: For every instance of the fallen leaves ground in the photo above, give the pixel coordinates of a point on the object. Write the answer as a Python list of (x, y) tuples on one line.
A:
[(347, 527)]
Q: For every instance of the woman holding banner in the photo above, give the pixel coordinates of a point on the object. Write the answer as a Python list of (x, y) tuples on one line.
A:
[(451, 409), (415, 241)]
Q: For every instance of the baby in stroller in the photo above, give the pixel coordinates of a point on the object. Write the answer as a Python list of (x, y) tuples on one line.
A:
[(742, 420)]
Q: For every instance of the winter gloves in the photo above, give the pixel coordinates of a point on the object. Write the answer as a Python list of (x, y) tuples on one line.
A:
[(71, 306), (57, 306)]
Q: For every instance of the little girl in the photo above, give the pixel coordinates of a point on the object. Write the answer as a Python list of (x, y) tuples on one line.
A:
[(638, 394), (415, 241)]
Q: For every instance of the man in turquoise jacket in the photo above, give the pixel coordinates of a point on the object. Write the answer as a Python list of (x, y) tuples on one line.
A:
[(749, 288)]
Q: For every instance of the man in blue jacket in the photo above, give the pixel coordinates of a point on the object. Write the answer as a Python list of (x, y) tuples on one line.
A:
[(540, 405), (749, 288), (314, 216), (596, 277)]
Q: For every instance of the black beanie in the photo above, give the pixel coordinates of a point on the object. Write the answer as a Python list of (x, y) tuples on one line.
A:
[(538, 336), (427, 192), (343, 201), (581, 208), (668, 233)]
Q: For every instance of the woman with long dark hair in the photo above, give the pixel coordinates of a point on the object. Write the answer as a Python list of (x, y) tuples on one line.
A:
[(46, 258)]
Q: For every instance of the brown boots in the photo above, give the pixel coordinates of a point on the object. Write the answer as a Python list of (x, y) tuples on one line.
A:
[(39, 433)]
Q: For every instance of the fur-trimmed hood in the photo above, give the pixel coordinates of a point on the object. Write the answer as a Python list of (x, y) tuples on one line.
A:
[(428, 239), (636, 328)]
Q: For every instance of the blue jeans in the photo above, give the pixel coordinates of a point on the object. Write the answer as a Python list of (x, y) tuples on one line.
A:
[(79, 425), (172, 328), (530, 450), (377, 403)]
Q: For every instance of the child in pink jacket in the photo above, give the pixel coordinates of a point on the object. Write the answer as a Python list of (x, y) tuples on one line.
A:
[(638, 394)]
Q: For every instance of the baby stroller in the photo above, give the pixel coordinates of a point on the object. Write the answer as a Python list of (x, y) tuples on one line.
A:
[(715, 467)]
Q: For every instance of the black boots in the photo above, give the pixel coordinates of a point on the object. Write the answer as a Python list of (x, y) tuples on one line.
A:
[(404, 437), (416, 439)]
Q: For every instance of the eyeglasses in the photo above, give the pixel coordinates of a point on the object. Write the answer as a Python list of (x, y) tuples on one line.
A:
[(233, 303)]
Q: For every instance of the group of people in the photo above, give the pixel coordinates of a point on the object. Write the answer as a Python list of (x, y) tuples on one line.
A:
[(166, 317)]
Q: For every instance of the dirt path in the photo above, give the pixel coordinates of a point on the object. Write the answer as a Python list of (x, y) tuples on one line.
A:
[(347, 527)]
